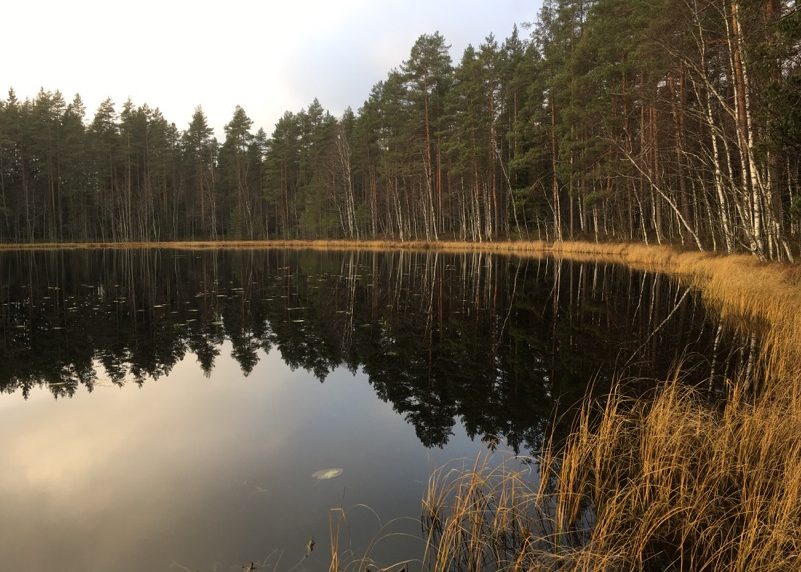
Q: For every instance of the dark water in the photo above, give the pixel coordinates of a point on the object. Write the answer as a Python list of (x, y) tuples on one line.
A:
[(169, 410)]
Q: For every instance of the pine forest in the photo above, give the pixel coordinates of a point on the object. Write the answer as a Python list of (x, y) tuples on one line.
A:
[(654, 121)]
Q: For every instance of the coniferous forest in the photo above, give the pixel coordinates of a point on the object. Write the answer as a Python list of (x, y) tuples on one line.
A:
[(656, 121)]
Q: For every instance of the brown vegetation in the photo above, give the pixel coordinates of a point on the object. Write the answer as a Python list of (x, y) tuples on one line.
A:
[(666, 482)]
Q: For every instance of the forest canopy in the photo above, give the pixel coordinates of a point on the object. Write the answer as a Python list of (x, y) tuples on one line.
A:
[(658, 121)]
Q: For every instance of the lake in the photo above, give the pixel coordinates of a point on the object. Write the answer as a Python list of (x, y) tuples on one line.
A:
[(201, 410)]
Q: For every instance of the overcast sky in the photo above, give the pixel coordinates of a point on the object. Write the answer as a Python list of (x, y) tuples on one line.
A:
[(266, 56)]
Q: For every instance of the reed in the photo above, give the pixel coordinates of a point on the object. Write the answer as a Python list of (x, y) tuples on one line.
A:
[(667, 481)]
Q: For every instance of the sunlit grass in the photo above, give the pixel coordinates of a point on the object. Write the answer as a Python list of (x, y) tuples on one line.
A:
[(658, 484), (667, 481)]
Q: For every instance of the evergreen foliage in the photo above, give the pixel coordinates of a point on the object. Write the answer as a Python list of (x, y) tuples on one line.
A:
[(646, 120)]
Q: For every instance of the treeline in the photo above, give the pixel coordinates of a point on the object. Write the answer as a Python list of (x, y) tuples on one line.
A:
[(639, 120)]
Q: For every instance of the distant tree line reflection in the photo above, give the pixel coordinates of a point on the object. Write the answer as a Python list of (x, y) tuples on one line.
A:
[(496, 343)]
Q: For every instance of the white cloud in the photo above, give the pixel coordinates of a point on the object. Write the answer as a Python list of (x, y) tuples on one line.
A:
[(266, 56)]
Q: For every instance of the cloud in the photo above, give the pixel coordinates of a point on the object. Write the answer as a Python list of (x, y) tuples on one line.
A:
[(266, 56)]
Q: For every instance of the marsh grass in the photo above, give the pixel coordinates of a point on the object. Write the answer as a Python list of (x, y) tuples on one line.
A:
[(489, 517), (661, 484), (666, 481)]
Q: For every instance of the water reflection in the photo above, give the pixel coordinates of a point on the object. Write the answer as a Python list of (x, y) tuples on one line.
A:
[(493, 343), (213, 406)]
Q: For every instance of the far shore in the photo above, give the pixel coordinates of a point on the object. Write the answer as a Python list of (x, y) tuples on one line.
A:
[(669, 258), (332, 244)]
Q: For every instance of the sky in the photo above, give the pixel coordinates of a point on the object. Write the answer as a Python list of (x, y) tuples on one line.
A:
[(207, 472), (268, 57)]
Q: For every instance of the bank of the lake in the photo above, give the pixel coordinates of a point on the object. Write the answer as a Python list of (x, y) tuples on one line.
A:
[(669, 481)]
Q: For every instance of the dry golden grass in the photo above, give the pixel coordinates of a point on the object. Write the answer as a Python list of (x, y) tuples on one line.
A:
[(508, 247), (674, 482), (665, 482), (656, 485)]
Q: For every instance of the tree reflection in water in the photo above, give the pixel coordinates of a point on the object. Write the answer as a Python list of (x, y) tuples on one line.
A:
[(495, 343)]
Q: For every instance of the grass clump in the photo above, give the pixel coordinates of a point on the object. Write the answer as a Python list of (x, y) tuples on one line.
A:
[(667, 481)]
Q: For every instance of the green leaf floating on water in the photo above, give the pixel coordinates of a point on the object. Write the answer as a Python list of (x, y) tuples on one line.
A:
[(327, 474)]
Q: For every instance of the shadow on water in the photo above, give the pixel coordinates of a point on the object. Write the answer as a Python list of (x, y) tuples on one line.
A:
[(498, 344)]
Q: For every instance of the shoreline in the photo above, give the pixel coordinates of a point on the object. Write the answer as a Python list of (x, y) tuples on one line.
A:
[(622, 251), (339, 244), (667, 258)]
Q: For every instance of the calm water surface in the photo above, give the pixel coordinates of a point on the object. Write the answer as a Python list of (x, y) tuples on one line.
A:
[(170, 410)]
